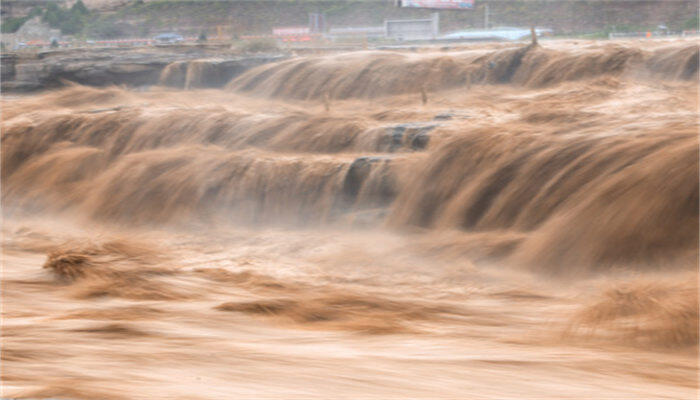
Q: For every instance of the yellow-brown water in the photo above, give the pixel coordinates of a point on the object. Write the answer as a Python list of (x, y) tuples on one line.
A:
[(531, 231)]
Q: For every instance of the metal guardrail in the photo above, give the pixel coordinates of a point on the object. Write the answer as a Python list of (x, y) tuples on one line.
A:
[(648, 34), (98, 43), (285, 38)]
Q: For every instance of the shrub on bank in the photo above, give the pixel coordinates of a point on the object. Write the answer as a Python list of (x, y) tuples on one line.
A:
[(261, 45)]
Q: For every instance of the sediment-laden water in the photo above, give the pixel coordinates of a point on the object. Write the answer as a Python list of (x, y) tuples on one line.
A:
[(314, 230)]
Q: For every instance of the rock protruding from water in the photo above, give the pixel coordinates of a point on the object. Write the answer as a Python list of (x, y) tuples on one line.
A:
[(413, 136)]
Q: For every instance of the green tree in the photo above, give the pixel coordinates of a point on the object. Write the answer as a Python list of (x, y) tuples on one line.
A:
[(70, 21), (53, 15), (79, 8), (692, 24), (36, 11), (72, 24), (10, 25)]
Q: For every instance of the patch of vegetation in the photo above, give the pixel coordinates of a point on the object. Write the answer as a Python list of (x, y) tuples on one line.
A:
[(691, 24), (70, 21), (262, 45), (11, 25), (593, 35), (107, 28)]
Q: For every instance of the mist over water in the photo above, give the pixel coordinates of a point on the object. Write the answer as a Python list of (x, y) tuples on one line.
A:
[(313, 224)]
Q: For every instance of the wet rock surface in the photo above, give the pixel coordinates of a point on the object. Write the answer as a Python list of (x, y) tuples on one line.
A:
[(414, 136), (119, 66)]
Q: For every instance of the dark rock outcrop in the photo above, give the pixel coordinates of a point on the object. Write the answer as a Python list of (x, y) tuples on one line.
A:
[(119, 66)]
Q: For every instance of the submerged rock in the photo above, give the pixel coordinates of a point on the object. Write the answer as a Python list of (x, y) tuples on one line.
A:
[(413, 136)]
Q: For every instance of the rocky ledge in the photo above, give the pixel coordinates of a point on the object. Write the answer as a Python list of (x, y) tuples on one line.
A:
[(130, 66)]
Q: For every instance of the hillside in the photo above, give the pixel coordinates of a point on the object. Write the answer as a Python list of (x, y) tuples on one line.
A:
[(123, 18)]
